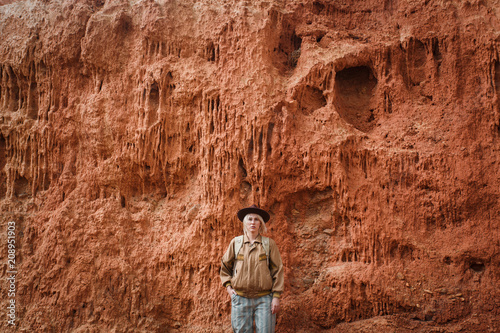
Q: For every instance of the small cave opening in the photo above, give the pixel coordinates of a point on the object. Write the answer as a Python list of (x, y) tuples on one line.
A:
[(97, 4), (417, 57), (477, 266), (354, 89), (123, 25), (418, 53), (320, 36), (210, 52), (287, 52), (22, 187), (310, 99), (318, 8)]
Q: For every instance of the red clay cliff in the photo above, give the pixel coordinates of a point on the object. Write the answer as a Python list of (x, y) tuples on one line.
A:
[(132, 131)]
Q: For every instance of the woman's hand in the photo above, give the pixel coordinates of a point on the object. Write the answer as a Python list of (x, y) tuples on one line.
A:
[(275, 305), (230, 291)]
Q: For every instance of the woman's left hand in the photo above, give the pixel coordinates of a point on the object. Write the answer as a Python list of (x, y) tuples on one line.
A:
[(275, 305)]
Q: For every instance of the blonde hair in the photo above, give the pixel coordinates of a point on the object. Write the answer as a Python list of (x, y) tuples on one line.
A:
[(262, 225)]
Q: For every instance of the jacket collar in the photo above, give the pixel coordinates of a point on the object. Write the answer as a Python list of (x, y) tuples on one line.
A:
[(257, 240)]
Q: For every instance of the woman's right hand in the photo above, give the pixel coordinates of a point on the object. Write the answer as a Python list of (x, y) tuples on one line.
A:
[(230, 291)]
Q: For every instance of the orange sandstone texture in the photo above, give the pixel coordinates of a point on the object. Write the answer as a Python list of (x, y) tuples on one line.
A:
[(132, 131)]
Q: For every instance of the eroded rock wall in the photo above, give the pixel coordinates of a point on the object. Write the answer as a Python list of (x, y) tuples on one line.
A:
[(132, 132)]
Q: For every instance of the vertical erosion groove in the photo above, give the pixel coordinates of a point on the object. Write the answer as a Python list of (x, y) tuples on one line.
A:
[(417, 56), (3, 161), (496, 85), (496, 77), (32, 107), (153, 102)]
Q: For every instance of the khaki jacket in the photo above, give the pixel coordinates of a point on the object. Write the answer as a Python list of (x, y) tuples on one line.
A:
[(249, 274)]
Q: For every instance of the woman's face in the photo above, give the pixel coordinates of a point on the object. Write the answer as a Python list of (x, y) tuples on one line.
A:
[(253, 223)]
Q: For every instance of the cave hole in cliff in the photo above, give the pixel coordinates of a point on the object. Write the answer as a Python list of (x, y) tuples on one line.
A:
[(354, 89), (97, 4), (287, 52), (414, 65), (122, 25), (21, 187), (310, 99), (477, 266), (211, 52), (320, 36), (318, 7), (3, 161)]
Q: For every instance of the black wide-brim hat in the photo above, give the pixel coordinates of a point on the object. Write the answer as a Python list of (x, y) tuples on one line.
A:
[(253, 210)]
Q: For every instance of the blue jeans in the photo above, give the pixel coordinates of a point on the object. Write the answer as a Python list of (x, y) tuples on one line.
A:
[(245, 310)]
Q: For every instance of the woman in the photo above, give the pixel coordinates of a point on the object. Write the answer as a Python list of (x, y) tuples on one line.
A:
[(252, 273)]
